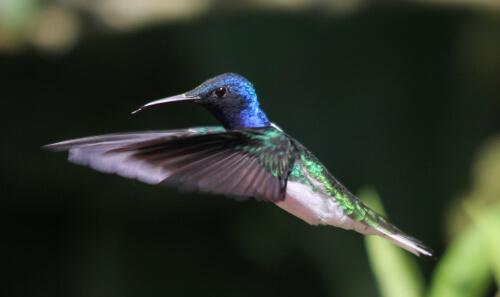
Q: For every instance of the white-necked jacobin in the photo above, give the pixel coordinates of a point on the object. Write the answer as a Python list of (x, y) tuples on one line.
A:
[(247, 157)]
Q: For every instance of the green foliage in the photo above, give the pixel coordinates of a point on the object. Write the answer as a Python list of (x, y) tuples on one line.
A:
[(463, 269), (471, 261)]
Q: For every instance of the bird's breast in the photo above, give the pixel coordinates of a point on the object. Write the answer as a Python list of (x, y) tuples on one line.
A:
[(309, 202), (313, 206)]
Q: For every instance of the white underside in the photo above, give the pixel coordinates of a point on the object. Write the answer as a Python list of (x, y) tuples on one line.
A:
[(319, 209)]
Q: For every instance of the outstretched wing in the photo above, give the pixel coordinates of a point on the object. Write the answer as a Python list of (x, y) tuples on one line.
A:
[(237, 163)]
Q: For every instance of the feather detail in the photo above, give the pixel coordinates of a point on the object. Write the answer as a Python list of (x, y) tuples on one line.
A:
[(235, 163)]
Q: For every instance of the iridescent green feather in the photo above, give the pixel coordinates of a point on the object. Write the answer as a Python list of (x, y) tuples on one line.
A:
[(308, 167), (286, 158), (273, 148)]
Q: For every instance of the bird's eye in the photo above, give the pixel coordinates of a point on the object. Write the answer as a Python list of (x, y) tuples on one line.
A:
[(220, 92)]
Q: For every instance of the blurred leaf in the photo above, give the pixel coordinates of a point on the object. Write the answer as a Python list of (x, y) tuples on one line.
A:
[(486, 172), (456, 219), (487, 221), (17, 13), (396, 270), (463, 269), (483, 207)]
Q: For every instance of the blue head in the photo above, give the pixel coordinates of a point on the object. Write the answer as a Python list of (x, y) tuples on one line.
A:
[(229, 97)]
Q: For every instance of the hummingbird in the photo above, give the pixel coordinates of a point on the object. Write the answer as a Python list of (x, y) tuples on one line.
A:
[(248, 156)]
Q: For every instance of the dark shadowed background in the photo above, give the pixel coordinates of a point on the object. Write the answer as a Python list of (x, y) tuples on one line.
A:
[(397, 97)]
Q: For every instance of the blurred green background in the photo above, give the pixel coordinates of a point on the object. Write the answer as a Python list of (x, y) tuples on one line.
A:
[(403, 97)]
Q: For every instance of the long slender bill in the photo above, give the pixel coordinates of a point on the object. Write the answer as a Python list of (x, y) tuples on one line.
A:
[(182, 97)]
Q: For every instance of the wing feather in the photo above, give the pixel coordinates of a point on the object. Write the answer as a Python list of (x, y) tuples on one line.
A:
[(234, 163)]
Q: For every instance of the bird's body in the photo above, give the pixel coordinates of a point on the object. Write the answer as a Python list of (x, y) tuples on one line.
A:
[(247, 157)]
